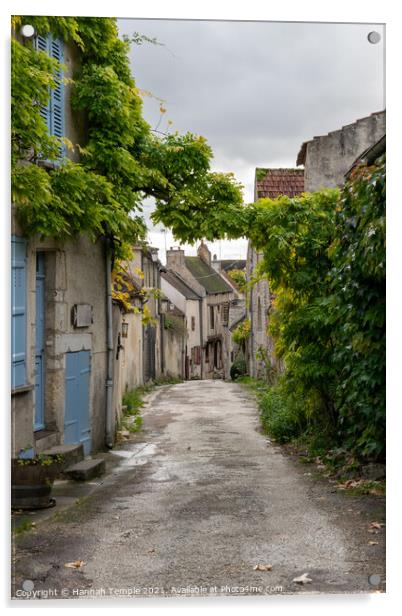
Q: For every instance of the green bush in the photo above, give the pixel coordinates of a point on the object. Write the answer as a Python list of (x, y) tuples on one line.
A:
[(282, 416), (238, 368)]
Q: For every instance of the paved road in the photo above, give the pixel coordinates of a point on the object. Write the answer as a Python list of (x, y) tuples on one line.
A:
[(199, 500)]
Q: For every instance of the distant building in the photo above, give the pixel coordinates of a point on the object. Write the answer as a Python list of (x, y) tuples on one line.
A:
[(269, 183), (237, 306), (216, 295), (190, 304)]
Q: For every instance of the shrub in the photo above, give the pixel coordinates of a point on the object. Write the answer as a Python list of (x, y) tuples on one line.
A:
[(282, 416), (238, 368)]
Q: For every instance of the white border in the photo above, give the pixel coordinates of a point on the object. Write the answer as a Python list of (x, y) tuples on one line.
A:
[(385, 11)]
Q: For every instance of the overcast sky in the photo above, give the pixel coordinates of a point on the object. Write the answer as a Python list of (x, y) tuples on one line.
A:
[(255, 90)]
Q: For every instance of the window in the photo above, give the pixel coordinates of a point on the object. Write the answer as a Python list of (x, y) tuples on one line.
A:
[(225, 314), (18, 312), (53, 112), (197, 355), (211, 317), (192, 324)]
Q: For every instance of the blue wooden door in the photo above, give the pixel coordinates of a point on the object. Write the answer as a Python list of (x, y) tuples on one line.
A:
[(39, 420), (76, 415), (18, 312)]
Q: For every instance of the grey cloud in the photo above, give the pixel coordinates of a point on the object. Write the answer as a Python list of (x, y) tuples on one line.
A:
[(257, 90)]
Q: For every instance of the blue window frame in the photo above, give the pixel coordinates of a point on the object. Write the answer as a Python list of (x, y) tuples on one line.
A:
[(18, 312), (53, 112)]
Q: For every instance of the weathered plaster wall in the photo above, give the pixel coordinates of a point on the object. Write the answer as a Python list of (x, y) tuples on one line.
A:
[(174, 345), (74, 274), (329, 157), (257, 312)]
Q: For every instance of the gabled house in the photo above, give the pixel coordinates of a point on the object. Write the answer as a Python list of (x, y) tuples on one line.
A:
[(198, 273), (269, 183), (237, 306), (189, 303)]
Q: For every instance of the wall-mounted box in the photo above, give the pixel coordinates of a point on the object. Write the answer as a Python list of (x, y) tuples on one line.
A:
[(82, 315)]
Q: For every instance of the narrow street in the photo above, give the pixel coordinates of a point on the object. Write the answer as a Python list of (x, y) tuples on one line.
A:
[(200, 498)]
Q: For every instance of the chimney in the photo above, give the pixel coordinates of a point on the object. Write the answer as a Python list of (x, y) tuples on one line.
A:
[(203, 253), (174, 258)]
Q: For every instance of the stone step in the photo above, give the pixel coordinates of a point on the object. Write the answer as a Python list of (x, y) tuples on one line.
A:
[(71, 454), (85, 470), (45, 439)]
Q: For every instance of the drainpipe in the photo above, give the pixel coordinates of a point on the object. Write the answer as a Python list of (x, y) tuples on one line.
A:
[(162, 330), (201, 338), (251, 349), (109, 436)]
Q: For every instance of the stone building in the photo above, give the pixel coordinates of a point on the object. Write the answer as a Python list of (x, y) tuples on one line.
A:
[(261, 358), (327, 158), (216, 295), (190, 304), (237, 306), (61, 317)]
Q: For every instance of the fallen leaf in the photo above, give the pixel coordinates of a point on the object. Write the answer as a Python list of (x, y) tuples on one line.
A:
[(303, 579), (262, 568), (151, 550), (77, 564), (377, 525), (373, 542)]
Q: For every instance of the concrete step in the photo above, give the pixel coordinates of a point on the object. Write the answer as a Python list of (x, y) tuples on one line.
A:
[(85, 470), (45, 439), (71, 454)]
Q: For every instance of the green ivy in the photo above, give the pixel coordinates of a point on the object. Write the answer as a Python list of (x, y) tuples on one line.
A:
[(122, 160)]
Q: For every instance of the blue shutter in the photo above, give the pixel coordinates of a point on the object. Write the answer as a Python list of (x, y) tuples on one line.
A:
[(57, 94), (43, 44), (53, 112), (18, 312)]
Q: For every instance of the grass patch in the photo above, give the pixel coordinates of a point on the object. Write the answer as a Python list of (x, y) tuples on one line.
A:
[(167, 380), (361, 487), (133, 401), (22, 526)]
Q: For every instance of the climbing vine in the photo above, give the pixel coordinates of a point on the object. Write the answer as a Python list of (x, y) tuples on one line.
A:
[(118, 162)]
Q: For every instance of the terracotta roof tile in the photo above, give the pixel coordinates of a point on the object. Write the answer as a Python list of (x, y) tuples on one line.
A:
[(277, 182)]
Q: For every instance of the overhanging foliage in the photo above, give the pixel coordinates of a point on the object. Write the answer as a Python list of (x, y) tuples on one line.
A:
[(121, 161)]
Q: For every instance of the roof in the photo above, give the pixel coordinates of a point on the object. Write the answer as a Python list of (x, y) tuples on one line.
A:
[(301, 157), (176, 312), (173, 279), (212, 282), (273, 183), (230, 264), (236, 322)]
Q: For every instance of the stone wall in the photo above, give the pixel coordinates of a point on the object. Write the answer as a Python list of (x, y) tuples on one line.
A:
[(74, 274), (327, 158)]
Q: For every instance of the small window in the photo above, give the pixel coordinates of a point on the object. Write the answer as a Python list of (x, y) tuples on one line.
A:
[(192, 324), (211, 317)]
